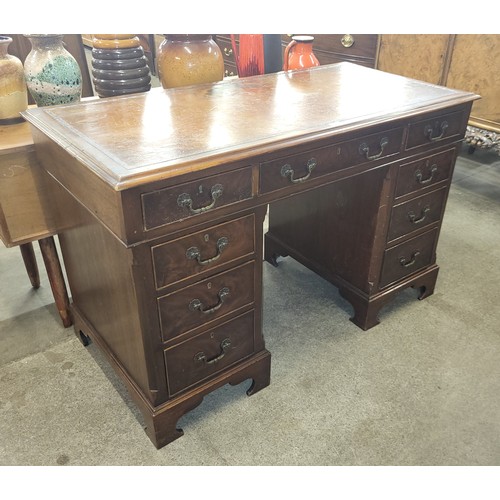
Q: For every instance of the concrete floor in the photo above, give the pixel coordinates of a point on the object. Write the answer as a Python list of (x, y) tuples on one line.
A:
[(421, 388)]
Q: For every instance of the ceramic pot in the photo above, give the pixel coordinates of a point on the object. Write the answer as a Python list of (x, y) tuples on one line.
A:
[(13, 92), (52, 73), (299, 53), (115, 41), (119, 65), (189, 60)]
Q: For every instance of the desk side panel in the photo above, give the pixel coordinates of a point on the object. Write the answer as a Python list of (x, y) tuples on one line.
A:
[(93, 193), (99, 270)]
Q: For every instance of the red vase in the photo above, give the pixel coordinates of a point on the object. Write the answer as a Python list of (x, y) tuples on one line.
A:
[(250, 56), (299, 53)]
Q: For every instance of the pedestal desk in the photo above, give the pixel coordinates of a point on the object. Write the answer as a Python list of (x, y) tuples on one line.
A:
[(160, 200)]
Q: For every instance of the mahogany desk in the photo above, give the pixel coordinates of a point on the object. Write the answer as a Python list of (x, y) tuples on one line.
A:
[(161, 197)]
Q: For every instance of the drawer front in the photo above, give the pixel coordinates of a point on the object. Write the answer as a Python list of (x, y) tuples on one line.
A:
[(436, 129), (416, 213), (424, 173), (226, 48), (230, 70), (207, 354), (300, 168), (203, 251), (176, 203), (206, 301), (325, 58), (408, 258)]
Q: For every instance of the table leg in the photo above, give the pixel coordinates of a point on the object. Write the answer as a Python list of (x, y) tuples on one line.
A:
[(56, 279), (30, 263)]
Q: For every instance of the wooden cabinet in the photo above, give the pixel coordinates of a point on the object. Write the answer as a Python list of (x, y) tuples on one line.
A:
[(465, 62), (422, 57), (163, 242)]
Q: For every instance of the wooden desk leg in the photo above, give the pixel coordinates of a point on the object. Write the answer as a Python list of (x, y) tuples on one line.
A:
[(56, 279), (30, 263)]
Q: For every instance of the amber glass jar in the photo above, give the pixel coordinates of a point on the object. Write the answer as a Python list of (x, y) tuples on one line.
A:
[(189, 60), (13, 91)]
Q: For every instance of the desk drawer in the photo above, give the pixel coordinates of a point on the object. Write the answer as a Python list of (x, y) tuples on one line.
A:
[(416, 213), (300, 168), (176, 203), (408, 258), (207, 354), (206, 300), (203, 251), (425, 172), (436, 129)]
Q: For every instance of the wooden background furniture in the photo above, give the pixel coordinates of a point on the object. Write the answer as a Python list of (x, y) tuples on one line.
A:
[(163, 240), (360, 49), (332, 48), (25, 211), (466, 62)]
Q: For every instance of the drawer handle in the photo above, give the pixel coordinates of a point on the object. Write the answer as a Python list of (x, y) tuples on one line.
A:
[(202, 358), (228, 52), (423, 214), (184, 200), (196, 305), (228, 73), (364, 149), (429, 130), (412, 260), (347, 41), (287, 171), (419, 175), (194, 252)]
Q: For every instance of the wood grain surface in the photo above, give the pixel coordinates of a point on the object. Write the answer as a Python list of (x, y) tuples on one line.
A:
[(165, 133)]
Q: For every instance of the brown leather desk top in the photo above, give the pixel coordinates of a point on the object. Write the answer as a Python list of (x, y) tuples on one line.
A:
[(156, 135)]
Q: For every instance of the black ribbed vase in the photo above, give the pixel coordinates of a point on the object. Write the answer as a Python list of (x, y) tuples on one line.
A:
[(119, 66)]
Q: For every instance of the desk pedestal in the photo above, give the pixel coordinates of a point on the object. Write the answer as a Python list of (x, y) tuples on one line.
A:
[(341, 232)]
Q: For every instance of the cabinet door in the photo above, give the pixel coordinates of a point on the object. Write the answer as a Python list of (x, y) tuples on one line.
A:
[(475, 66), (414, 56)]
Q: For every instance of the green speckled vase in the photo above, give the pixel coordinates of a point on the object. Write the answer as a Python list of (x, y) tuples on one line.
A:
[(52, 73)]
